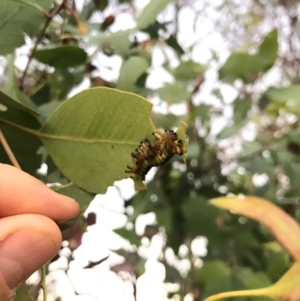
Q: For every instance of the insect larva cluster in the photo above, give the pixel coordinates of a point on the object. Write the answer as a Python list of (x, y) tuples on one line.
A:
[(147, 155)]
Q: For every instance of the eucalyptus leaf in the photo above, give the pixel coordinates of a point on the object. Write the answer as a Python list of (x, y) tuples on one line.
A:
[(173, 93), (287, 98), (22, 294), (12, 89), (203, 111), (61, 56), (130, 235), (213, 272), (188, 70), (9, 103), (241, 109), (90, 136), (130, 72), (118, 42), (48, 108), (18, 17), (23, 145), (101, 4), (150, 12), (241, 65), (232, 130), (172, 42)]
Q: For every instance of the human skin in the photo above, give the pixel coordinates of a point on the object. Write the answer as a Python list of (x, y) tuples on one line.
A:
[(29, 236)]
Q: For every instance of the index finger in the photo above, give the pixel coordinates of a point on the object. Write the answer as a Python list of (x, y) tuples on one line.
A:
[(22, 193)]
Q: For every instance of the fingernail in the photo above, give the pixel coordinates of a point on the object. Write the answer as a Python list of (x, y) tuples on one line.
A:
[(22, 253)]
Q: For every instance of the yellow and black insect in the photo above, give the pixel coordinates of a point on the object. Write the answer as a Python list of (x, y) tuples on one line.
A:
[(147, 155), (168, 142)]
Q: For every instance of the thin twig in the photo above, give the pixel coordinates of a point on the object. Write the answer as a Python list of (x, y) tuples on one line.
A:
[(176, 29), (190, 104), (134, 290), (43, 283), (8, 151), (49, 18)]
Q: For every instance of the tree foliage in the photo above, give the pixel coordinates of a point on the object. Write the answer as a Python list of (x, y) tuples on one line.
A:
[(86, 138)]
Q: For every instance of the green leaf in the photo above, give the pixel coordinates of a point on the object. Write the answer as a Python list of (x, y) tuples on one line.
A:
[(172, 42), (17, 17), (87, 11), (63, 80), (250, 148), (287, 97), (241, 66), (213, 272), (61, 56), (23, 145), (290, 93), (150, 12), (253, 279), (194, 150), (198, 214), (173, 93), (90, 136), (232, 282), (277, 263), (22, 294), (166, 121), (269, 49), (283, 227), (18, 108), (101, 4), (203, 111), (213, 277), (12, 89), (130, 72), (241, 109), (188, 70), (130, 235), (232, 130), (286, 288), (10, 105), (155, 29), (248, 67), (258, 164), (172, 274), (48, 108), (118, 42)]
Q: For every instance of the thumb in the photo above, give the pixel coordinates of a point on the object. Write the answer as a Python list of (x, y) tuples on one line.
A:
[(27, 242)]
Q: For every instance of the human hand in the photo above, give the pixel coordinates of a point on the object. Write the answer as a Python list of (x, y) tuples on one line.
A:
[(29, 237)]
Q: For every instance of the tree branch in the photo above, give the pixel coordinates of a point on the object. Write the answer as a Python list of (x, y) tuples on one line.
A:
[(176, 30), (8, 151), (49, 18), (43, 283)]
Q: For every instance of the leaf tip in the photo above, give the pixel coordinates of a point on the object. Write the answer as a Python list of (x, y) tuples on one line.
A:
[(139, 185)]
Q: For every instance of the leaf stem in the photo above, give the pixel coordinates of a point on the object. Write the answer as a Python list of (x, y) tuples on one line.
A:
[(49, 18), (43, 283), (20, 127), (8, 151)]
